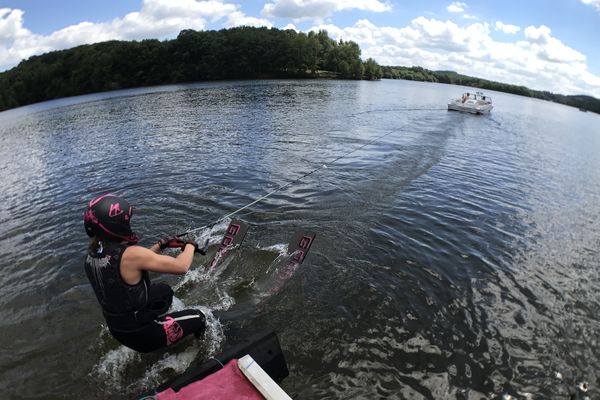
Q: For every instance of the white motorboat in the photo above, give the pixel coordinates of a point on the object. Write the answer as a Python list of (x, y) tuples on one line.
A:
[(474, 103)]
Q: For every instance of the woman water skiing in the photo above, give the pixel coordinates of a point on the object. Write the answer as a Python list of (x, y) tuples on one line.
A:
[(136, 310)]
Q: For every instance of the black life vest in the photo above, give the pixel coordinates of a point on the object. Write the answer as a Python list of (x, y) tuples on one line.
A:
[(125, 307)]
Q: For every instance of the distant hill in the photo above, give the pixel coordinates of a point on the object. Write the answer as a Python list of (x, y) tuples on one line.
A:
[(236, 53), (582, 102)]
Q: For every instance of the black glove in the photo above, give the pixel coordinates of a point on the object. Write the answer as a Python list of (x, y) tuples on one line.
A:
[(172, 242), (197, 248)]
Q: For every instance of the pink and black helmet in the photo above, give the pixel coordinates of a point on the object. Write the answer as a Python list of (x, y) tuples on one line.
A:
[(108, 216)]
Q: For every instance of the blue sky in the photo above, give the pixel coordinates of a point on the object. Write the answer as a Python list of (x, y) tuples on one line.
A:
[(546, 45)]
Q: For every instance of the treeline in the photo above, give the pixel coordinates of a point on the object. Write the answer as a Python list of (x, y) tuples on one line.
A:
[(236, 53), (421, 74)]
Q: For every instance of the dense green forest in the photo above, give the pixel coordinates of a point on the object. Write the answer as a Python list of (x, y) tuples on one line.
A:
[(236, 53), (420, 74)]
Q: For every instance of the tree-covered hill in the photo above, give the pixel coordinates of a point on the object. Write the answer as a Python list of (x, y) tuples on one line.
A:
[(420, 74), (236, 53)]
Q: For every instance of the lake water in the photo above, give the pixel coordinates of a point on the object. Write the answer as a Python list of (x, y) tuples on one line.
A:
[(457, 256)]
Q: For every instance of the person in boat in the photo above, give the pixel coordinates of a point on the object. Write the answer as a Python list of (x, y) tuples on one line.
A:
[(136, 310)]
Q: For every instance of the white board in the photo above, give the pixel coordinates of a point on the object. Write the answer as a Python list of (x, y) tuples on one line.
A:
[(261, 380)]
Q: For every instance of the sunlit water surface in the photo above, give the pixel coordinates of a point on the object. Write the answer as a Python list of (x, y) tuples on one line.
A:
[(456, 255)]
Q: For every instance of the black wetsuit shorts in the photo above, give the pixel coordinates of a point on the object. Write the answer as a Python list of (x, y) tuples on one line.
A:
[(153, 332), (163, 331)]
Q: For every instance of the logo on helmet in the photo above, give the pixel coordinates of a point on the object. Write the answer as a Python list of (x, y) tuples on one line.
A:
[(89, 216), (115, 210)]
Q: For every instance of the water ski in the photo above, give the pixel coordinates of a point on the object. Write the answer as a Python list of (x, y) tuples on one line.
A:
[(298, 248), (234, 236)]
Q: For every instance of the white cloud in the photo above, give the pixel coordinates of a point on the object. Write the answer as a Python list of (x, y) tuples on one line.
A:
[(292, 27), (537, 35), (549, 48), (11, 25), (507, 28), (595, 3), (238, 18), (299, 10), (534, 58), (538, 60), (156, 19), (456, 7)]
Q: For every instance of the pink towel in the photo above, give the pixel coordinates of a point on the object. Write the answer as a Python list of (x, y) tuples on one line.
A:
[(227, 383)]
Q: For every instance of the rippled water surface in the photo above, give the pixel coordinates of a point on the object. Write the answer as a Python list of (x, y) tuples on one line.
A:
[(456, 255)]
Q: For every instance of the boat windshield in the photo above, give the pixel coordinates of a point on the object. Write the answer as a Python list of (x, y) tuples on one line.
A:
[(476, 97), (481, 96)]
